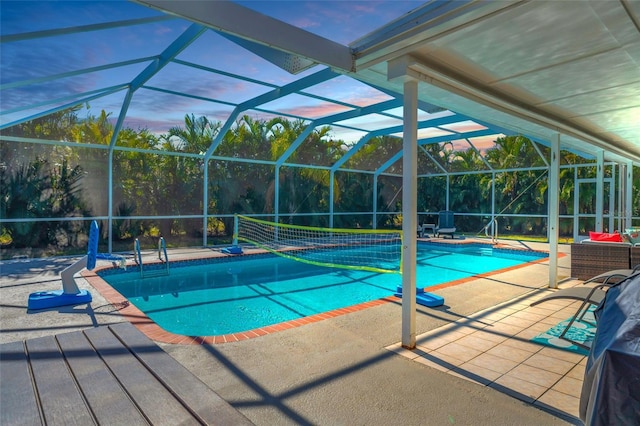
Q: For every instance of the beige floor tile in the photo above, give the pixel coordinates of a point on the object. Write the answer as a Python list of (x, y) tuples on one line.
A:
[(507, 309), (457, 327), (542, 326), (478, 373), (535, 375), (543, 310), (523, 344), (547, 363), (528, 315), (569, 385), (526, 299), (563, 311), (459, 351), (490, 317), (468, 328), (511, 328), (493, 363), (533, 331), (522, 304), (489, 335), (561, 402), (435, 341), (556, 303), (522, 387), (516, 321), (563, 315), (476, 341), (508, 352), (551, 320), (577, 372), (437, 363), (562, 354), (507, 329), (494, 348), (475, 374)]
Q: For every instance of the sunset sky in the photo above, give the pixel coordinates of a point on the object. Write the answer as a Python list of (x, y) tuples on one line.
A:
[(156, 107)]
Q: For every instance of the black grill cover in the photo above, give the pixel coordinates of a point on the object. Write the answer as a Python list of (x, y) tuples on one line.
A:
[(611, 389)]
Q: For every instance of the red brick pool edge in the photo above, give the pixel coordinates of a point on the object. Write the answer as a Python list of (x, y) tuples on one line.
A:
[(156, 333)]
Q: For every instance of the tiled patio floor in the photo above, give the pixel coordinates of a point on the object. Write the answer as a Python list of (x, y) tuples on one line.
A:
[(493, 348)]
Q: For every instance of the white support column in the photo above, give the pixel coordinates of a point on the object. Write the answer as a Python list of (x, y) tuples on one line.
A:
[(576, 207), (409, 213), (331, 196), (600, 191), (554, 210), (494, 225), (629, 198), (448, 191), (205, 200), (375, 202), (110, 201), (276, 195), (622, 193)]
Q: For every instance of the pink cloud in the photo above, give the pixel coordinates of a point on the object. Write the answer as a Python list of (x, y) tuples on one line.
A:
[(464, 126), (315, 111), (484, 143)]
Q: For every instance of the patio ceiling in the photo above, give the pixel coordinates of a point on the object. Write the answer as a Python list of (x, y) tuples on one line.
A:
[(536, 67)]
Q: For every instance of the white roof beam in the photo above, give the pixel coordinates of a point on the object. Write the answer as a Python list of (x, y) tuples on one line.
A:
[(231, 18), (80, 29)]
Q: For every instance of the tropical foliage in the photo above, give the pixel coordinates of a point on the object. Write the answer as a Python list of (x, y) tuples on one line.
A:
[(248, 165)]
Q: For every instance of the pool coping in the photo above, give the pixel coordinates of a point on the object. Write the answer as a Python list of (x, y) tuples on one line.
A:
[(152, 330)]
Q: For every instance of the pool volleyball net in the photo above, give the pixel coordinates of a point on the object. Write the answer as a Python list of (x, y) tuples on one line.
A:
[(359, 249)]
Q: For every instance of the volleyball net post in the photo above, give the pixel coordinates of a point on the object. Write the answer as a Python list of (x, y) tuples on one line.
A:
[(235, 230)]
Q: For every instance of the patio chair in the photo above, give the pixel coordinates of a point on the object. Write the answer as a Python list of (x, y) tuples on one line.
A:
[(445, 224), (422, 230), (614, 274), (591, 295)]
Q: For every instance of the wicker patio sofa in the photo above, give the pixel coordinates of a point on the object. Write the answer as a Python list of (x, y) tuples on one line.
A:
[(589, 259), (635, 256)]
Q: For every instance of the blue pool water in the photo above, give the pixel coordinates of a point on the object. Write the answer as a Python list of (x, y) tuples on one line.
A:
[(236, 294)]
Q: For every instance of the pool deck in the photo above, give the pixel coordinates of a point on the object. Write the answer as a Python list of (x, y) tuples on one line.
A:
[(103, 375), (474, 363)]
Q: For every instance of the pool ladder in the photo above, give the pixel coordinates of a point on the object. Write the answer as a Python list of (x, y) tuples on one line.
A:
[(494, 230), (162, 249)]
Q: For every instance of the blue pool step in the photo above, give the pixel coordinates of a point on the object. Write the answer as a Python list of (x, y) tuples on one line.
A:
[(479, 251), (425, 299)]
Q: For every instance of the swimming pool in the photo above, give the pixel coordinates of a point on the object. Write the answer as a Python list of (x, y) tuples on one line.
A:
[(235, 294)]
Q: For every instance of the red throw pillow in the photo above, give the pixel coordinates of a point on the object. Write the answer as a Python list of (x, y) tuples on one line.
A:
[(603, 236)]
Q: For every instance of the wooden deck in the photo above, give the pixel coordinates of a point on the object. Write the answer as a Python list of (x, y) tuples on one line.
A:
[(106, 375)]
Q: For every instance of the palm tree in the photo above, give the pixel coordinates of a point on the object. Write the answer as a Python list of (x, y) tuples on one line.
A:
[(136, 185), (21, 193), (195, 137), (180, 178)]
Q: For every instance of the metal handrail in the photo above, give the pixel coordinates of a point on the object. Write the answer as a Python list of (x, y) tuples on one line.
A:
[(494, 233), (162, 248)]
